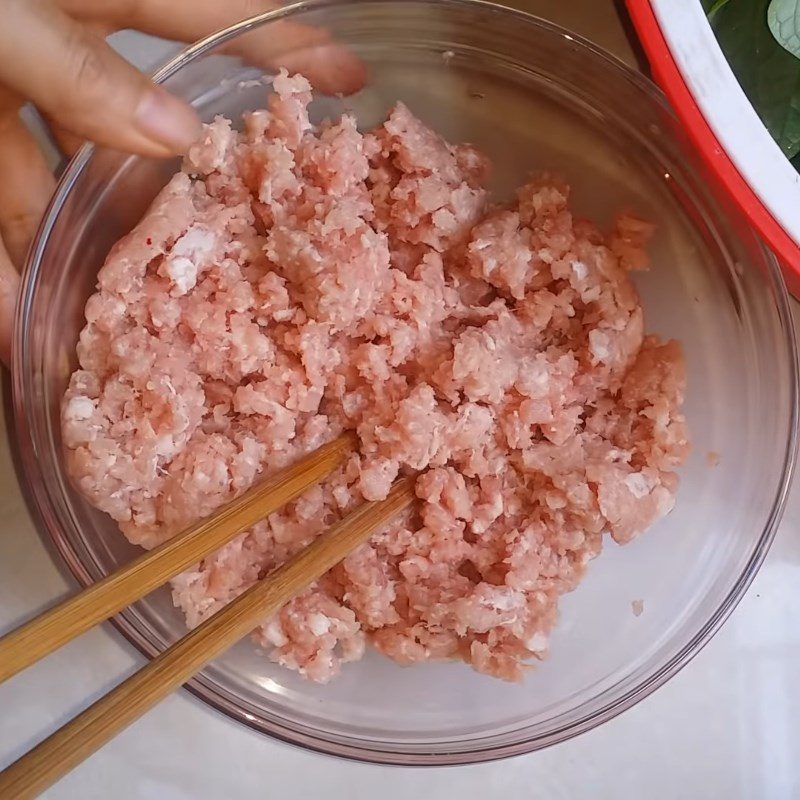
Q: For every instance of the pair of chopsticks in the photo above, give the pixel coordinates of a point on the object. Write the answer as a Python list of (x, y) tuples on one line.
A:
[(78, 739)]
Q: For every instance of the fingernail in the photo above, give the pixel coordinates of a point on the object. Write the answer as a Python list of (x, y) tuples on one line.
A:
[(167, 120)]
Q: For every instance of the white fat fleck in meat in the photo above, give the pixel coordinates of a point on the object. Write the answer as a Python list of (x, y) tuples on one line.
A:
[(187, 257), (546, 255), (319, 624), (79, 408), (599, 345), (580, 269), (503, 601), (273, 632), (537, 643), (638, 484), (182, 272)]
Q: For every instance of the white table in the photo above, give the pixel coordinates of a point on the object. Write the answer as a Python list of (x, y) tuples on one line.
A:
[(727, 726)]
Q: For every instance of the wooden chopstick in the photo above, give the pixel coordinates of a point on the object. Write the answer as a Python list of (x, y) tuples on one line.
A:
[(55, 627), (99, 723)]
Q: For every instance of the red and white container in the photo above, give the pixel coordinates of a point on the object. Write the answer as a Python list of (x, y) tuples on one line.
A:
[(692, 70)]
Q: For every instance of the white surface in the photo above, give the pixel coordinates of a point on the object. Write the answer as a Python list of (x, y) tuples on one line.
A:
[(728, 111), (727, 726)]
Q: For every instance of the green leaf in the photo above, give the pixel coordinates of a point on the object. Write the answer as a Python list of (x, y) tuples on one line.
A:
[(713, 6), (783, 18), (769, 74)]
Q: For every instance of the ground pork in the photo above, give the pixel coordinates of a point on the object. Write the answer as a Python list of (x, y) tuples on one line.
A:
[(292, 282)]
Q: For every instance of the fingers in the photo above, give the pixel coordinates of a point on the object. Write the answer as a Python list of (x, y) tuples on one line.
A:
[(330, 67), (77, 79), (68, 143), (9, 289), (25, 189)]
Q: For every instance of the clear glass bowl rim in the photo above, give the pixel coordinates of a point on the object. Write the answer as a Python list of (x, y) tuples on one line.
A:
[(31, 483)]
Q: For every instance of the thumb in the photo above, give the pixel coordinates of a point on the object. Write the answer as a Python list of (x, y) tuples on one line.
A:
[(76, 78)]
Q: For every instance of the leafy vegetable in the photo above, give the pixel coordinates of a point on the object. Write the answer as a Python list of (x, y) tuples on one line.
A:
[(712, 6), (768, 73), (783, 18)]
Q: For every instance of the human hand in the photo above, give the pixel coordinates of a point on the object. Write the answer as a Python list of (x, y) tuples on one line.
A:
[(53, 53)]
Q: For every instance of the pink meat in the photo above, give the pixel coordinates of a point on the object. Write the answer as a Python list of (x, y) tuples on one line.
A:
[(295, 281)]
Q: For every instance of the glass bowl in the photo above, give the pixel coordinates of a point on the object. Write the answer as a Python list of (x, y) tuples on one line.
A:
[(532, 96)]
